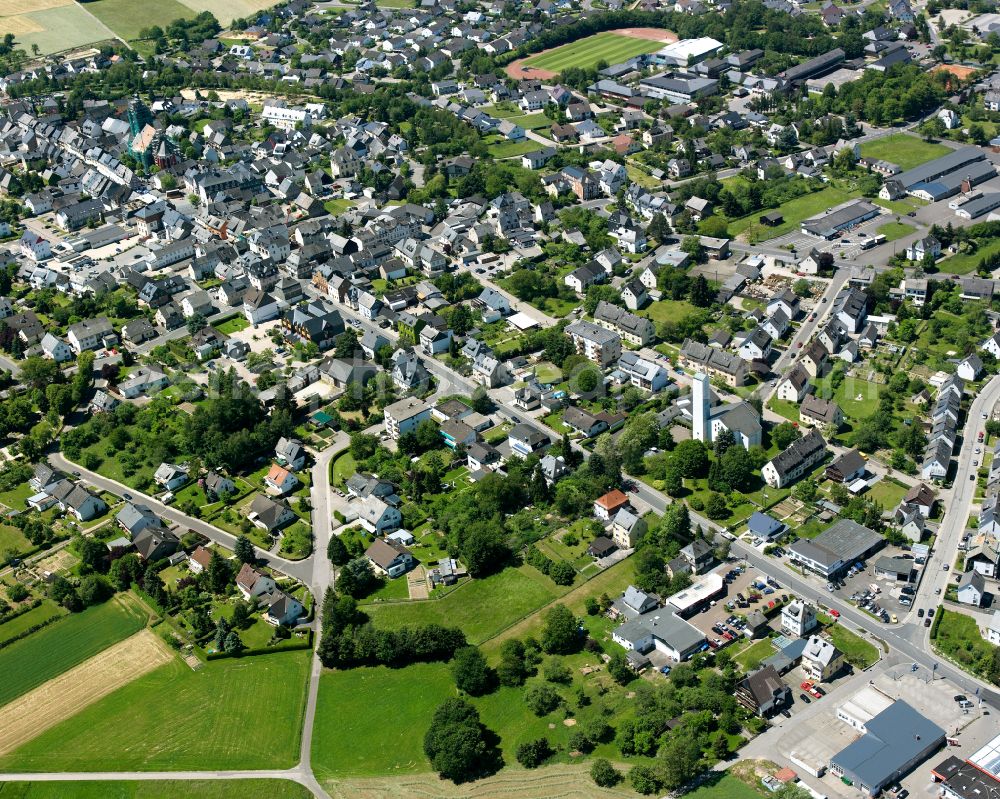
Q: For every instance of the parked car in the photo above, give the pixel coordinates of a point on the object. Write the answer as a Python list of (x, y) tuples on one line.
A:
[(805, 698)]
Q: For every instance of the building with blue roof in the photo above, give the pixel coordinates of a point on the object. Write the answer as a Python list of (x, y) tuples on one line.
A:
[(894, 741), (764, 526)]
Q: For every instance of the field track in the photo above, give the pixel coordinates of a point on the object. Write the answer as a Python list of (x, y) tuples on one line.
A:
[(66, 695), (548, 782)]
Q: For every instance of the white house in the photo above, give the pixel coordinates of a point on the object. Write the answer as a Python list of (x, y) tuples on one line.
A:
[(378, 517), (169, 476), (252, 583), (280, 480), (55, 348)]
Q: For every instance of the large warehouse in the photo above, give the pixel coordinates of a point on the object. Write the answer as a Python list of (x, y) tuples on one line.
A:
[(895, 741), (830, 223), (835, 550), (943, 177)]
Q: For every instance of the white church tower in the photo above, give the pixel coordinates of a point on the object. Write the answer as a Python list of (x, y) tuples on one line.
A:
[(700, 406)]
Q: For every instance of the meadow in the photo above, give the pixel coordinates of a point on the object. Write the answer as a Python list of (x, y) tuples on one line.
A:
[(63, 644), (231, 714), (903, 150), (127, 17), (586, 53), (156, 789)]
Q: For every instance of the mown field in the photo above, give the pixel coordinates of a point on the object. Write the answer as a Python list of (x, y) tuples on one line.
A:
[(155, 789), (482, 608), (585, 53), (52, 25), (232, 714), (903, 150), (794, 212), (28, 663), (128, 17)]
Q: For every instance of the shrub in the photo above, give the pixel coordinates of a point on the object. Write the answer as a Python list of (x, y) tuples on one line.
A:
[(604, 774)]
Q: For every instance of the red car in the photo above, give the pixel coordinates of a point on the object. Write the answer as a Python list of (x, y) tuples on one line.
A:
[(835, 614)]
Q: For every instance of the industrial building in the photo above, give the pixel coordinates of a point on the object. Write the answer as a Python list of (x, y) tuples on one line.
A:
[(830, 223), (947, 175), (835, 550), (894, 741)]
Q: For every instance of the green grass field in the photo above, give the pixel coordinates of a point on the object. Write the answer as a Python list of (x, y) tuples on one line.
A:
[(662, 310), (28, 663), (793, 211), (13, 540), (509, 596), (887, 492), (156, 789), (723, 786), (55, 29), (13, 628), (511, 149), (585, 53), (858, 652), (964, 263), (895, 230), (128, 17), (232, 714), (904, 150), (234, 325), (858, 399), (352, 737)]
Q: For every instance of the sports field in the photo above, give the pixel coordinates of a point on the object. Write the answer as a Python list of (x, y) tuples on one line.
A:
[(231, 714), (586, 53), (60, 646), (904, 150), (156, 789)]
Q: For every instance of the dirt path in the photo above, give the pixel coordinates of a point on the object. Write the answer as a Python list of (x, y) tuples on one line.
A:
[(416, 582), (30, 715), (518, 70), (548, 782)]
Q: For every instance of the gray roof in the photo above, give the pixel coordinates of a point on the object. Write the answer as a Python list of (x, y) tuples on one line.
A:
[(845, 541), (895, 739), (665, 626)]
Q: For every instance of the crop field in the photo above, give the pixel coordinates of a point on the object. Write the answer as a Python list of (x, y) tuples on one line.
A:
[(904, 150), (13, 628), (156, 789), (585, 53), (32, 713), (52, 25), (28, 663), (127, 17), (231, 714)]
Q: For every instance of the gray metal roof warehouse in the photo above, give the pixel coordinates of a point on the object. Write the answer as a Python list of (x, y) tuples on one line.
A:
[(895, 741), (850, 214), (837, 547), (932, 170)]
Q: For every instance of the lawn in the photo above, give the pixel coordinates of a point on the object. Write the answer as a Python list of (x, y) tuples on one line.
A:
[(958, 637), (481, 608), (13, 628), (12, 540), (895, 230), (789, 410), (233, 325), (231, 714), (794, 212), (723, 786), (336, 207), (509, 149), (394, 3), (858, 399), (350, 738), (857, 651), (156, 789), (128, 17), (344, 467), (751, 657), (585, 53), (664, 310), (963, 263), (887, 492), (904, 150), (28, 663)]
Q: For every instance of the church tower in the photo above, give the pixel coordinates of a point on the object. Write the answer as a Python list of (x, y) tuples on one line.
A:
[(700, 405)]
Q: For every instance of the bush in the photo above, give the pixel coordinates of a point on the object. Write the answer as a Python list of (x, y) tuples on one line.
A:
[(533, 753), (604, 774), (17, 592), (471, 673)]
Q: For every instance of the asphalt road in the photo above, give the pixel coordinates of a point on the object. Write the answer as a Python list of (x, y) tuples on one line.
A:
[(300, 570)]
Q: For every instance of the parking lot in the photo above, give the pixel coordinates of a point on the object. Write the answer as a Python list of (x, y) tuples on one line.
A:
[(727, 606)]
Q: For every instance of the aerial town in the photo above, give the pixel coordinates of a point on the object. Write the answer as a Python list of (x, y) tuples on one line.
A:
[(543, 399)]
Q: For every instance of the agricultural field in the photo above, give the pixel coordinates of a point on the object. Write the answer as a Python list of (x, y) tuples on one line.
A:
[(40, 615), (156, 789), (58, 699), (231, 714), (585, 53), (127, 17), (51, 25), (60, 646), (904, 150)]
